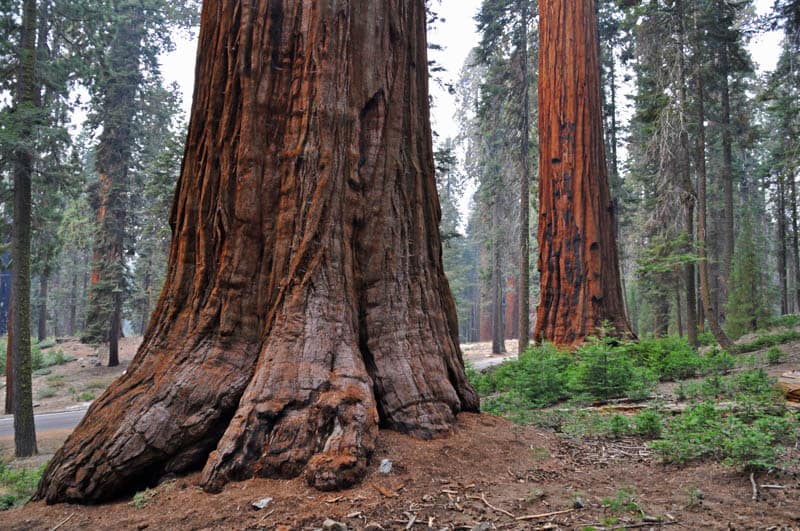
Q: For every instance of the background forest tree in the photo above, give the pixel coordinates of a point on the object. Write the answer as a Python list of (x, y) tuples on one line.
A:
[(663, 63)]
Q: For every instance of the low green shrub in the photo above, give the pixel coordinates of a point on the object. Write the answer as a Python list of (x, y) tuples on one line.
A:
[(767, 340), (706, 339), (46, 343), (46, 392), (648, 423), (19, 485), (86, 396), (775, 356), (704, 430), (672, 358), (539, 377), (693, 434), (618, 426), (785, 321)]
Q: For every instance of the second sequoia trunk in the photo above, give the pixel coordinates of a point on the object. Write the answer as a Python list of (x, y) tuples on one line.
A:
[(305, 300), (580, 283)]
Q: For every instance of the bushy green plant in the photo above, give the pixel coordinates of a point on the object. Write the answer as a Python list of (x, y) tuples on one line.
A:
[(86, 396), (755, 382), (19, 485), (720, 361), (46, 343), (774, 356), (693, 434), (648, 423), (41, 360), (706, 339), (643, 383), (618, 426), (785, 321), (760, 446), (603, 371), (671, 357), (539, 377), (46, 392), (707, 431), (768, 340), (623, 500)]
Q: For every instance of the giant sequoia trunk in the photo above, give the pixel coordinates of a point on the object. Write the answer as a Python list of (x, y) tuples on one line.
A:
[(305, 300), (578, 263)]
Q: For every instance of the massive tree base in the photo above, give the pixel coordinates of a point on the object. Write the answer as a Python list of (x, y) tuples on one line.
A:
[(305, 302)]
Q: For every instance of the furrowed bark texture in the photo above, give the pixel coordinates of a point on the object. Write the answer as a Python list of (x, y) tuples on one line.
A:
[(578, 263), (305, 299)]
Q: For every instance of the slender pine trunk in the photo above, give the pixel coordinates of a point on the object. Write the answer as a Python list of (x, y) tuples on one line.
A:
[(726, 258), (686, 183), (705, 292), (782, 237), (42, 318), (22, 388), (795, 241), (73, 305), (498, 324), (524, 288)]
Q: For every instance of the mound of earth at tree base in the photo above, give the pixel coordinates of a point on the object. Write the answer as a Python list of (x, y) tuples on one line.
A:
[(490, 471)]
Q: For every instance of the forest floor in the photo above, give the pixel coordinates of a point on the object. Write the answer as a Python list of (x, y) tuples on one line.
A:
[(74, 384), (491, 474)]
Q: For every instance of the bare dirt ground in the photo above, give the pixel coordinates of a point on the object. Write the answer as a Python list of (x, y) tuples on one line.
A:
[(70, 385), (489, 472)]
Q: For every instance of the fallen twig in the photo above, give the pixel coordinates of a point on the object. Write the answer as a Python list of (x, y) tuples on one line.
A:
[(64, 521), (646, 524), (482, 498), (773, 486), (755, 486), (543, 515)]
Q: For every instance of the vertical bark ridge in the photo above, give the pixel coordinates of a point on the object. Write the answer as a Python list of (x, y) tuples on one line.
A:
[(305, 297)]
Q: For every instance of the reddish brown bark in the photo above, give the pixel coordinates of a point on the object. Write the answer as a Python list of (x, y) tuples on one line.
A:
[(578, 263), (305, 298)]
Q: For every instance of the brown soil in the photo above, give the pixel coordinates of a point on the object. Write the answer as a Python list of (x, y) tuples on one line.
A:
[(490, 471), (73, 382)]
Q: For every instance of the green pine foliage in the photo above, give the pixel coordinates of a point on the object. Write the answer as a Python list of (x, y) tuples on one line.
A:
[(748, 308)]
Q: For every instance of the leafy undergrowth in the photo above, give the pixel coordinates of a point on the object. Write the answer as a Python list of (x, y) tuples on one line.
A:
[(42, 356), (725, 405), (18, 485)]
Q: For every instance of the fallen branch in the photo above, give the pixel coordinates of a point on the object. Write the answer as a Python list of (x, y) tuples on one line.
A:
[(646, 524), (64, 521), (773, 486), (755, 487), (482, 498), (543, 515)]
